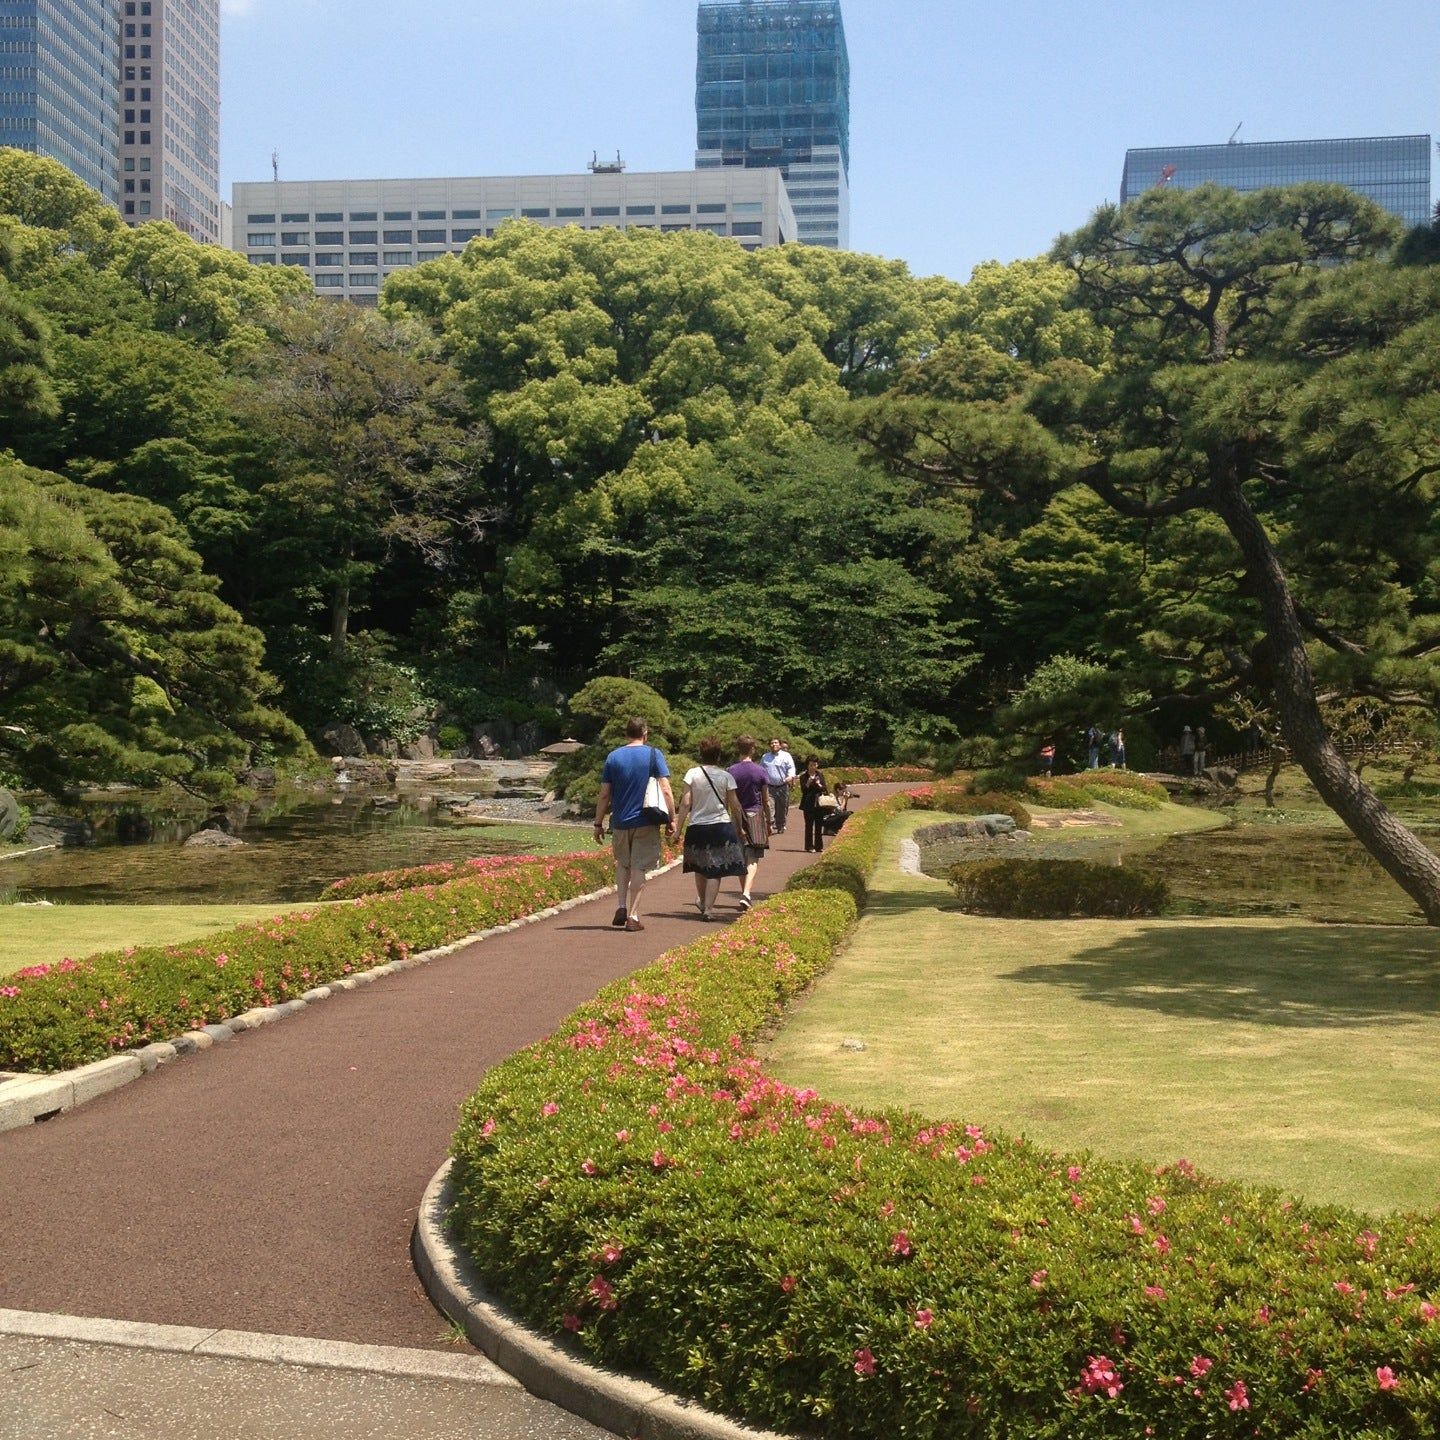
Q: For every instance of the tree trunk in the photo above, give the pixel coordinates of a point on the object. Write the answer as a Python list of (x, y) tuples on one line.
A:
[(339, 620), (1414, 867), (1277, 763)]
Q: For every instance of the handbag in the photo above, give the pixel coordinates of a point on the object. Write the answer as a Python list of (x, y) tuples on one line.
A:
[(653, 809), (757, 829), (826, 802)]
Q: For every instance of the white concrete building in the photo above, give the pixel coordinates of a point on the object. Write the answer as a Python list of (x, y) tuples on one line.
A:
[(350, 234)]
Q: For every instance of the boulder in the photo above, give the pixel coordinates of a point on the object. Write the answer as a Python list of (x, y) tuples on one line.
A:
[(421, 749), (214, 840), (60, 830), (999, 824), (372, 773), (382, 746), (9, 814), (343, 740), (529, 737), (489, 739), (259, 777)]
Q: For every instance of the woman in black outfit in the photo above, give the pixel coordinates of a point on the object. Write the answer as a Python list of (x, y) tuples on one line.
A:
[(812, 787)]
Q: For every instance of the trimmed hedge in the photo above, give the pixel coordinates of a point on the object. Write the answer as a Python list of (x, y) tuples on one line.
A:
[(1113, 787), (56, 1016), (639, 1181), (1057, 890), (382, 882)]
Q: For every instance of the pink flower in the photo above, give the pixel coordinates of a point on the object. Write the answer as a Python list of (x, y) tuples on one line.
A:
[(900, 1243), (1100, 1377), (1073, 1174), (1386, 1378), (604, 1292), (1428, 1312), (549, 1108), (589, 1167), (1038, 1279), (622, 1136), (659, 1159), (1155, 1205), (788, 1284), (1343, 1287), (1368, 1241), (221, 961), (1154, 1292), (864, 1362), (1238, 1396), (611, 1253), (924, 1319), (571, 1322), (1200, 1367), (9, 991), (1162, 1244), (488, 1128)]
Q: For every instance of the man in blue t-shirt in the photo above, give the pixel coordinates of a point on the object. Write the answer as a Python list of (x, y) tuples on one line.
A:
[(634, 834)]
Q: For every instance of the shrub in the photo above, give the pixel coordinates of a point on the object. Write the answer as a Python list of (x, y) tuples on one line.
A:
[(56, 1016), (382, 882), (957, 802), (847, 862), (639, 1181), (875, 774), (1057, 889), (451, 737), (1128, 799), (1105, 783), (1003, 780), (1083, 789)]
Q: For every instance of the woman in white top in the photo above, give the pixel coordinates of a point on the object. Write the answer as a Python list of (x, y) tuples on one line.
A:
[(711, 804)]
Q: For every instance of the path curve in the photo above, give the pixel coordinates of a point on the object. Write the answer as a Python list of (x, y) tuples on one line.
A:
[(272, 1184)]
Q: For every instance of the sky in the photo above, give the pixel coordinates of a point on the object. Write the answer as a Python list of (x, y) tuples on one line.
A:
[(979, 130)]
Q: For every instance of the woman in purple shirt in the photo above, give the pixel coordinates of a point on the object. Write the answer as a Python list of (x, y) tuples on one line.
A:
[(750, 783)]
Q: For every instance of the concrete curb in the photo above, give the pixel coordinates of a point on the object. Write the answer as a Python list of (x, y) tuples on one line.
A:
[(550, 1369), (28, 1099), (242, 1345)]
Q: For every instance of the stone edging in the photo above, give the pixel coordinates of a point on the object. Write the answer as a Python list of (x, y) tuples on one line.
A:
[(26, 1099), (553, 1370)]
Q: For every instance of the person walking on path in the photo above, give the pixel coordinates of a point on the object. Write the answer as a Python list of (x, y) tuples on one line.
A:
[(752, 786), (1117, 748), (1187, 750), (636, 818), (710, 803), (779, 766), (1047, 759), (1200, 748), (1093, 738), (812, 787)]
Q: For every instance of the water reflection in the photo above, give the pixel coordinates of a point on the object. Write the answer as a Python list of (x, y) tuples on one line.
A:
[(296, 844), (1243, 870)]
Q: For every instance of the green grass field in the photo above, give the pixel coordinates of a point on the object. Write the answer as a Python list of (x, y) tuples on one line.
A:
[(39, 935), (1278, 1052)]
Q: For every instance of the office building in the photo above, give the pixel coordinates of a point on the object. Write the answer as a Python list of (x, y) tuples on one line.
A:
[(350, 234), (59, 85), (170, 114), (1392, 170), (772, 89)]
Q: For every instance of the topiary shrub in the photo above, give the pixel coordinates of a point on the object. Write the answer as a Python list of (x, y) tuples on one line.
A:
[(955, 803), (1057, 890), (1065, 794), (1004, 779)]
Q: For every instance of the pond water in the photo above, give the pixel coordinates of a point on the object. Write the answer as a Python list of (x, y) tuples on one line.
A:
[(1241, 870), (295, 846)]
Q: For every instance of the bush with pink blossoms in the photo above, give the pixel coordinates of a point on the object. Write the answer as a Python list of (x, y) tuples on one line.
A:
[(642, 1184), (56, 1016)]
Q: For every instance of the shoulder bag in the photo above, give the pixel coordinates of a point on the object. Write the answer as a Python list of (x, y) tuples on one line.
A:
[(653, 810)]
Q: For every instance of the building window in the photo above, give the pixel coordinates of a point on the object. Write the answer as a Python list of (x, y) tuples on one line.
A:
[(367, 278), (295, 257), (329, 282), (570, 212), (294, 219), (673, 229), (329, 259), (258, 238), (710, 209), (362, 215), (398, 237), (295, 237), (432, 214), (674, 209), (604, 210), (639, 209), (129, 163), (364, 237), (535, 214), (329, 237), (748, 207), (432, 237), (746, 227), (259, 259), (466, 215), (332, 217), (499, 214), (364, 257), (129, 207), (399, 257), (399, 214), (459, 237)]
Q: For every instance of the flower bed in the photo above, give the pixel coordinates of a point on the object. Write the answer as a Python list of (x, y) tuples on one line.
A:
[(639, 1181), (56, 1016), (381, 882), (877, 774)]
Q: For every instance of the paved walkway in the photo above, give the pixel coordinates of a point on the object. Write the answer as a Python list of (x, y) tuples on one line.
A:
[(271, 1184)]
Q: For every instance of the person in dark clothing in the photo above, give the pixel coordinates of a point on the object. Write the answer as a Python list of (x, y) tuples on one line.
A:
[(812, 787)]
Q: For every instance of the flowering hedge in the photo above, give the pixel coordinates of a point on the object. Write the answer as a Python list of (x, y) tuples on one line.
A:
[(1114, 787), (639, 1181), (56, 1016), (877, 774)]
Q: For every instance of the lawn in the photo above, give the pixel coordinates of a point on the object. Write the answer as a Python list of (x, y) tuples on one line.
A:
[(39, 935), (1278, 1052)]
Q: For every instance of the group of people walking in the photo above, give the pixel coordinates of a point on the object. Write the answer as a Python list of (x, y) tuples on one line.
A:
[(727, 813)]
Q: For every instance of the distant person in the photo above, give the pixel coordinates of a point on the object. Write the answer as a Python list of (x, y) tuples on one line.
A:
[(1117, 748), (1200, 751), (779, 765), (1093, 739), (1187, 750), (753, 788), (711, 804), (1047, 759), (635, 828), (812, 787)]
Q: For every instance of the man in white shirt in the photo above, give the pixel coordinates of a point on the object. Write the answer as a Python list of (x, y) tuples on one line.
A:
[(779, 772)]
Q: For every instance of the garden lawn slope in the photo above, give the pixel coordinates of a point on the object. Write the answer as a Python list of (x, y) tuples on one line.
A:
[(640, 1181), (56, 1016)]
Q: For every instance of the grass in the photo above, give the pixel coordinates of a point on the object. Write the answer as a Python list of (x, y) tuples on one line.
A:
[(41, 936), (1277, 1052)]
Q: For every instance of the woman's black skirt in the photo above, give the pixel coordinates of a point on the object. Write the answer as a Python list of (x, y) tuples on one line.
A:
[(713, 851)]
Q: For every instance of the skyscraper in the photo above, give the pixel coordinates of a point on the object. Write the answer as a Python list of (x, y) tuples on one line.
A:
[(169, 119), (1392, 170), (59, 85), (772, 90)]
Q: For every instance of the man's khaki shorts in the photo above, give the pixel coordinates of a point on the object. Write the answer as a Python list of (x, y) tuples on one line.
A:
[(637, 849)]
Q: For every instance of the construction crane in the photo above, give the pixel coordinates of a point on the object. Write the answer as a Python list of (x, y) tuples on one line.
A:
[(1235, 134)]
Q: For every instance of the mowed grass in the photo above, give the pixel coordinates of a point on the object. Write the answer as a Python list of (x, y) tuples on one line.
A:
[(1276, 1052), (32, 935)]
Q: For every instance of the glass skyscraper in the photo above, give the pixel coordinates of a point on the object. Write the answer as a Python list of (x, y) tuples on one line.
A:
[(1392, 170), (59, 85), (772, 90)]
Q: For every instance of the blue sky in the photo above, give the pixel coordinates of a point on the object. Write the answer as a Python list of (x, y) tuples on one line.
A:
[(979, 130)]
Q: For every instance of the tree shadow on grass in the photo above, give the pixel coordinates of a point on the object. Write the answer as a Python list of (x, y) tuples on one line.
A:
[(1287, 976)]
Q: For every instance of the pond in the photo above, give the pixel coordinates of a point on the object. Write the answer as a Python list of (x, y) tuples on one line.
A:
[(295, 846), (1308, 871)]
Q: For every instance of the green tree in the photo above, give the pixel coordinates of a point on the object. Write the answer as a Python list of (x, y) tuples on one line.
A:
[(372, 444), (117, 660), (25, 388), (1243, 385)]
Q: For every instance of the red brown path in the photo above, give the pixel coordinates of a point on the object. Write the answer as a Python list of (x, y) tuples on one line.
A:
[(270, 1184)]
